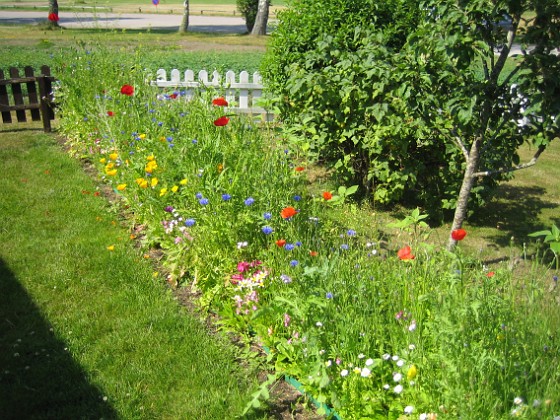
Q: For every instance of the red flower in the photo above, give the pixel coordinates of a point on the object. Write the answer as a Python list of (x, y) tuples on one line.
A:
[(458, 234), (281, 242), (220, 122), (53, 17), (110, 113), (300, 168), (405, 253), (127, 90), (313, 253), (288, 212), (327, 195), (173, 96), (220, 102), (490, 274)]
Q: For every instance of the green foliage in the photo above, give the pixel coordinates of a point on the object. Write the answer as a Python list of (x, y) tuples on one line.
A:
[(392, 96), (552, 239)]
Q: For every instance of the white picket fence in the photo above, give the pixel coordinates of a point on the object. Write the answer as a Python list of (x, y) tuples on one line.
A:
[(241, 93)]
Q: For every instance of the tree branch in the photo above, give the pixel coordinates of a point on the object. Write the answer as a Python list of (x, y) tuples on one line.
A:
[(532, 162), (459, 143)]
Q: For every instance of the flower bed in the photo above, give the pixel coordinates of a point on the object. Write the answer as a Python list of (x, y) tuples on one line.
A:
[(406, 329)]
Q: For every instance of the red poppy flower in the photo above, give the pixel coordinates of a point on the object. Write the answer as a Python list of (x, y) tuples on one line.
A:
[(458, 234), (288, 212), (313, 253), (327, 195), (281, 242), (53, 17), (490, 274), (220, 102), (300, 168), (110, 113), (173, 96), (127, 90), (405, 253), (220, 122)]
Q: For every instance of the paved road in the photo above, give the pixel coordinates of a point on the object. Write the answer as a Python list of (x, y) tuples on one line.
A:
[(129, 21)]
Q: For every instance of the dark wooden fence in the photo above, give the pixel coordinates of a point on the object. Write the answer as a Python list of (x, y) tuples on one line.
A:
[(31, 93)]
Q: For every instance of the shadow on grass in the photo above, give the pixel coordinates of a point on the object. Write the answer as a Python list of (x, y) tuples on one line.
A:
[(514, 213), (38, 377)]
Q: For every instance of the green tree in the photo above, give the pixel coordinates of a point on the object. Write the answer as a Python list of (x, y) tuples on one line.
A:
[(419, 100), (249, 10)]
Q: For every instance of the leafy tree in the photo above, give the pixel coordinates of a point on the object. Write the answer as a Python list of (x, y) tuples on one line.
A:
[(419, 100), (249, 10)]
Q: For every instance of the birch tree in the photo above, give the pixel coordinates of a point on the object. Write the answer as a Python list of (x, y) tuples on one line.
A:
[(184, 27)]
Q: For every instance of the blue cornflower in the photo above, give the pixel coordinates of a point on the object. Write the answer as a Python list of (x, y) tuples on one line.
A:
[(195, 141), (189, 222), (267, 216), (267, 230), (285, 278), (203, 201), (329, 295), (297, 197), (293, 263), (199, 195), (169, 139), (344, 246), (351, 232), (298, 243), (249, 201), (226, 197), (289, 247)]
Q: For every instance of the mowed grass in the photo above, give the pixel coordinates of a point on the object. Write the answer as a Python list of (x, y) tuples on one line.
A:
[(87, 329), (36, 46)]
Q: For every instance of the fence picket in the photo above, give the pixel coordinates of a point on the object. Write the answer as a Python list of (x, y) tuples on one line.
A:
[(241, 95), (18, 96)]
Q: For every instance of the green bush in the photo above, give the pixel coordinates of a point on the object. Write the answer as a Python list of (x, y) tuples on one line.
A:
[(388, 94)]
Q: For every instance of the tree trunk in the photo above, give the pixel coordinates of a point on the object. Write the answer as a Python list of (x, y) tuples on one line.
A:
[(466, 187), (53, 14), (185, 22), (262, 18)]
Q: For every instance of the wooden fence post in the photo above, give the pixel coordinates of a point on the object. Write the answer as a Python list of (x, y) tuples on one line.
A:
[(45, 92)]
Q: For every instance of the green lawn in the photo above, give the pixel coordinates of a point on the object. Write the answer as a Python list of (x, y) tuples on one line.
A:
[(88, 329)]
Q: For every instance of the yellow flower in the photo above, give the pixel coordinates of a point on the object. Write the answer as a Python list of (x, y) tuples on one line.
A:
[(151, 157), (220, 168), (154, 182), (111, 248), (142, 136), (162, 192), (357, 370), (412, 372), (114, 156), (174, 188), (162, 139), (110, 165), (111, 172), (183, 181), (142, 183), (121, 187), (151, 166), (102, 160)]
